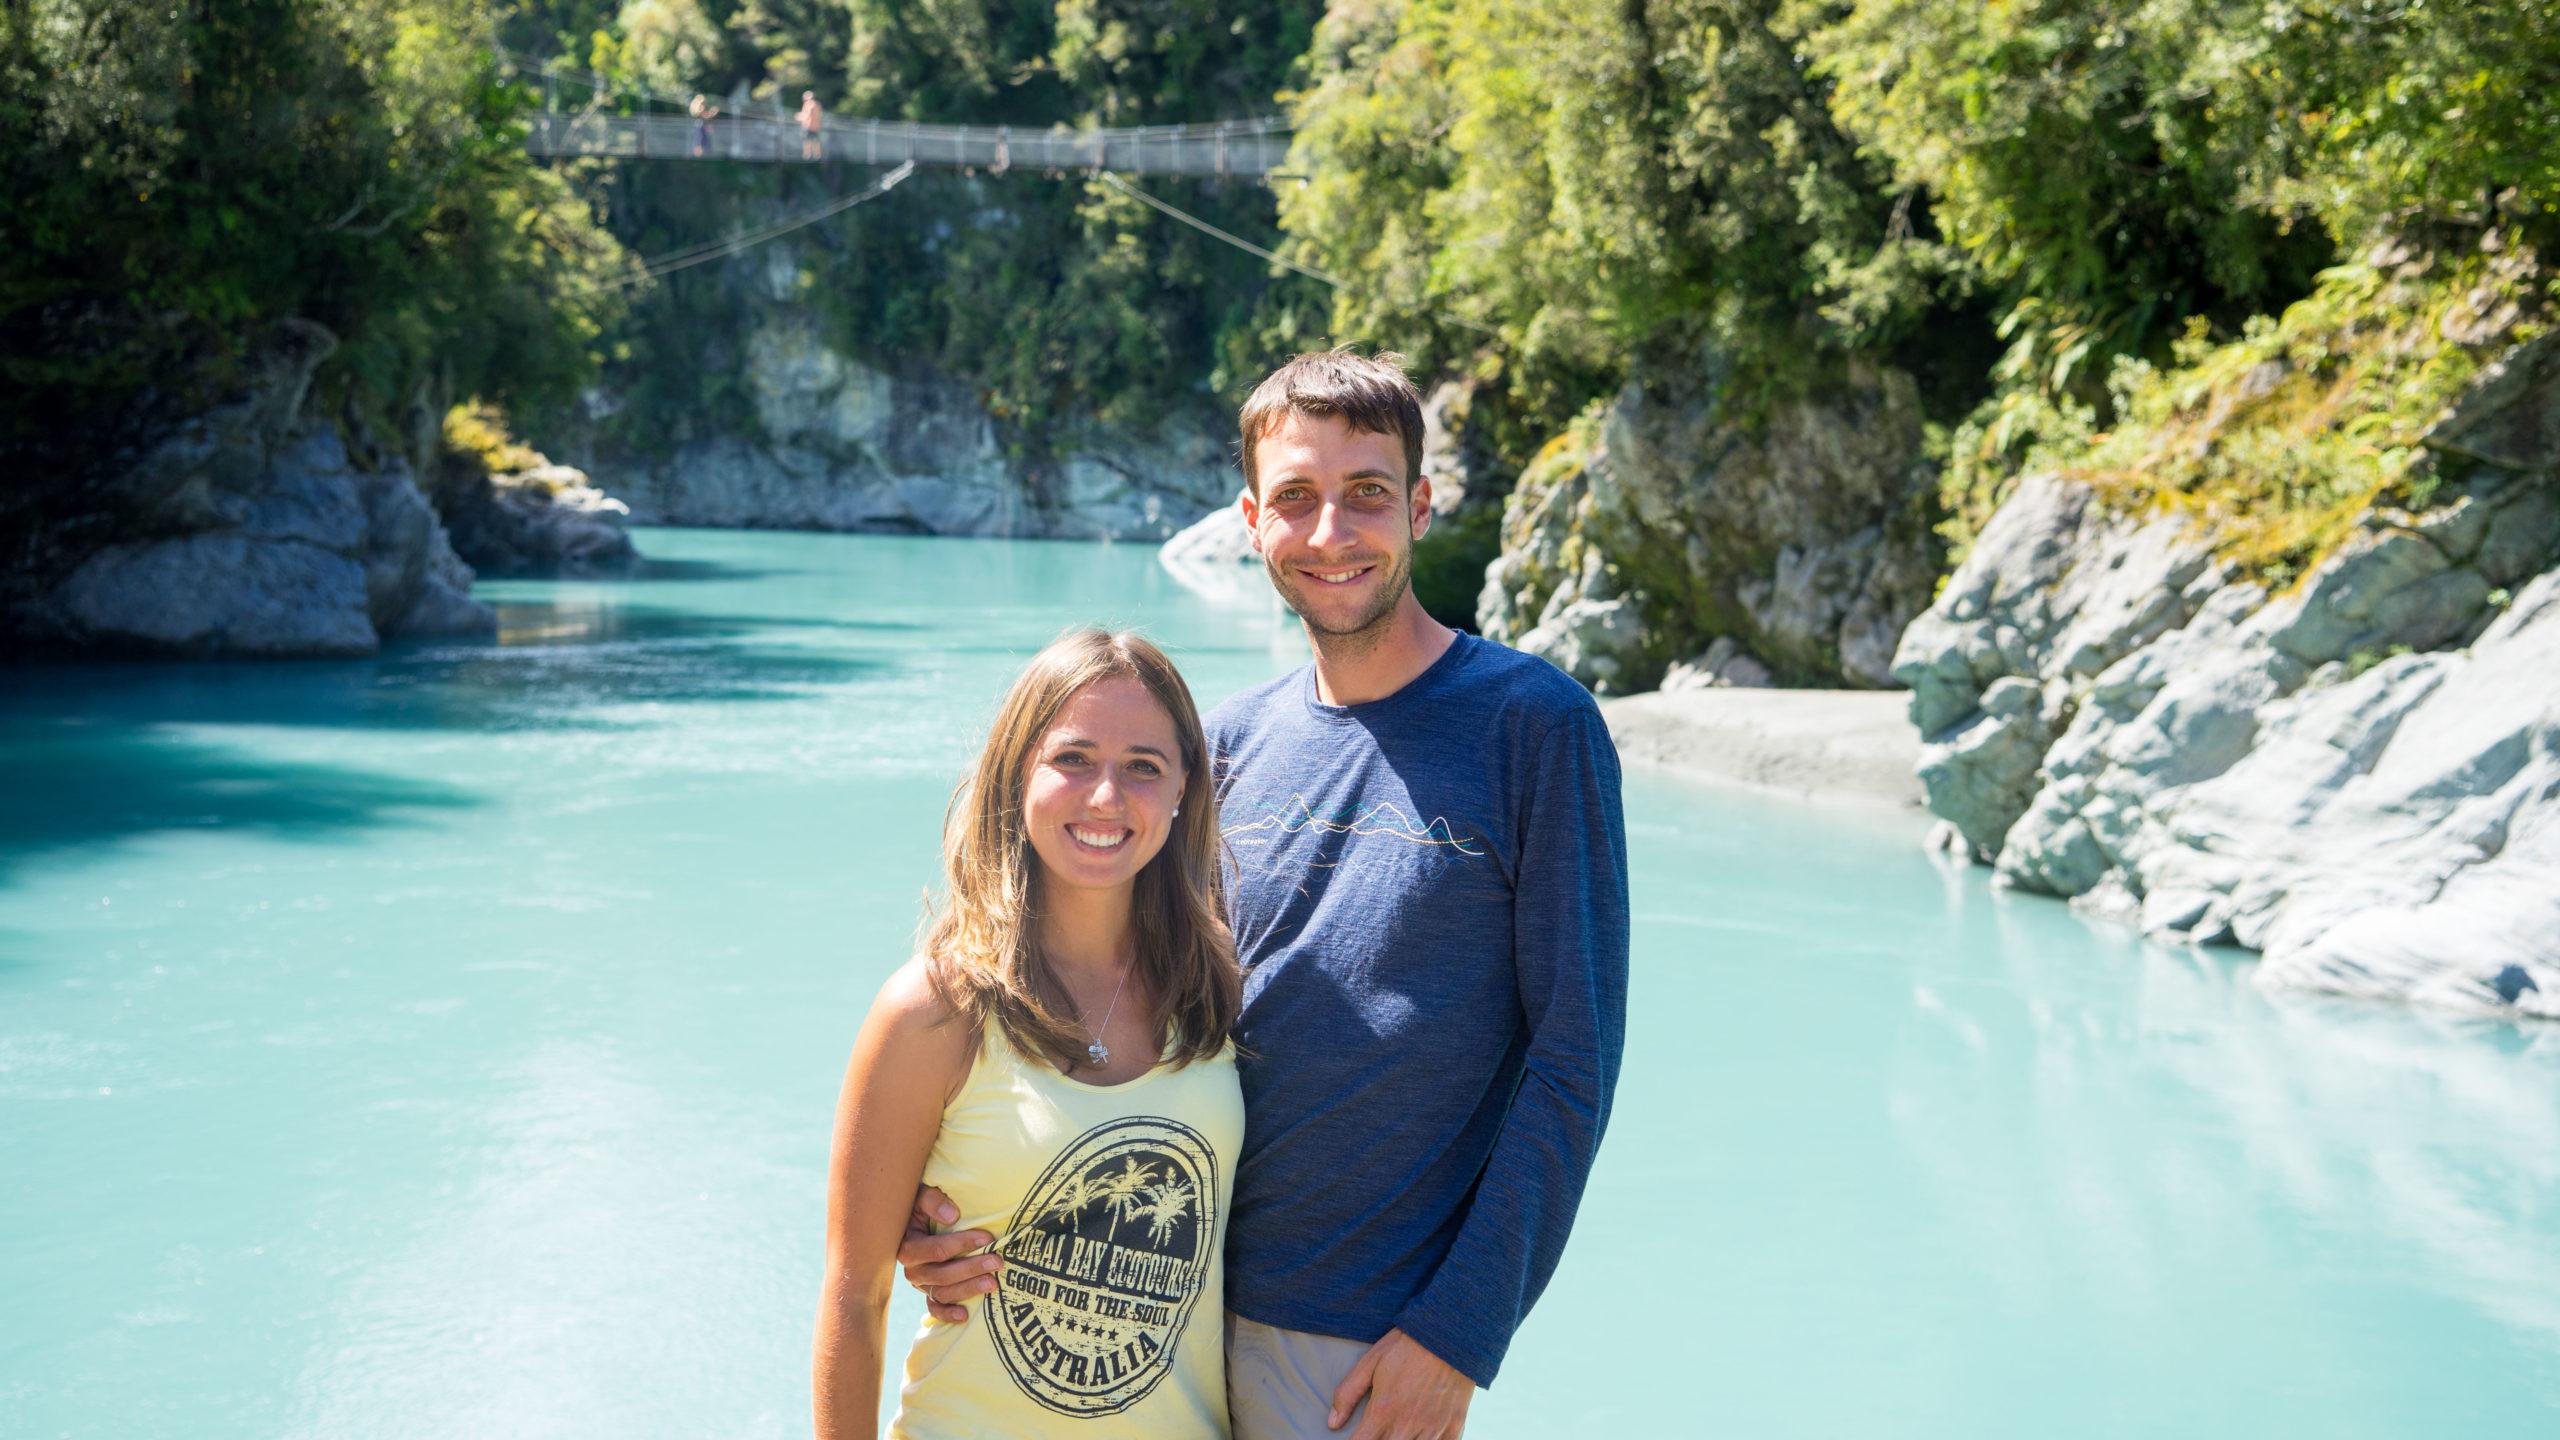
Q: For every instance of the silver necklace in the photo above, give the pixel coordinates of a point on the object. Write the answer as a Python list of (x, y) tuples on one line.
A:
[(1100, 1052)]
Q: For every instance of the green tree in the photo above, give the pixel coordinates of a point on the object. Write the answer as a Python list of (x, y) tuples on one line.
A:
[(184, 177), (1585, 178)]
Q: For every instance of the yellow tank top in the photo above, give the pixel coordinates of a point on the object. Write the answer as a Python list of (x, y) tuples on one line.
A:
[(1109, 1206)]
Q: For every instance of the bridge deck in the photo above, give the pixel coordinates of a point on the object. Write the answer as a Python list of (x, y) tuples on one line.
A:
[(1245, 147)]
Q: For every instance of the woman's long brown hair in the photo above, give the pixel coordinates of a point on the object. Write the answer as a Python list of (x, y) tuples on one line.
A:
[(982, 947)]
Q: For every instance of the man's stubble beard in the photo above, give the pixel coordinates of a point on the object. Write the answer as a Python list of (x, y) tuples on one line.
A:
[(1363, 634)]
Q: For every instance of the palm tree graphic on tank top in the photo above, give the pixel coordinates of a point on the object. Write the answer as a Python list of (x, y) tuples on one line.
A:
[(1108, 1252)]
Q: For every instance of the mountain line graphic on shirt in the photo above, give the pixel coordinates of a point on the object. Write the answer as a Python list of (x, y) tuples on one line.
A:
[(1385, 818)]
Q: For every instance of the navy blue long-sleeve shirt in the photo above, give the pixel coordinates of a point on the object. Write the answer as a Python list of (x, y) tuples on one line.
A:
[(1430, 900)]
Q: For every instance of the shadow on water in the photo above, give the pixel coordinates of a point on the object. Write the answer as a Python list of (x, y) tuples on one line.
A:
[(656, 569), (582, 622), (552, 663), (72, 784), (86, 757)]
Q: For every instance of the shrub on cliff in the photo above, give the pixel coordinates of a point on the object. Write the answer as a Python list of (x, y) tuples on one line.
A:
[(2134, 179)]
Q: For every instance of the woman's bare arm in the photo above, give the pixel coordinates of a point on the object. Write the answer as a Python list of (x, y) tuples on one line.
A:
[(907, 1061)]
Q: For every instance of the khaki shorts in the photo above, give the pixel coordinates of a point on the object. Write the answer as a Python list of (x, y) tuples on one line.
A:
[(1280, 1382)]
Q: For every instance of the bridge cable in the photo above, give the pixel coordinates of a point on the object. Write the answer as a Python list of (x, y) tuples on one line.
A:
[(1336, 281), (692, 255)]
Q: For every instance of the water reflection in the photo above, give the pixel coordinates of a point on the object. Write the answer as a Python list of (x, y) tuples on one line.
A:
[(2197, 1150), (576, 1231)]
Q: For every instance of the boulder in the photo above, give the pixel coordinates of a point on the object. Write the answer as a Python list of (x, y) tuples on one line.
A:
[(1800, 532), (1599, 642), (1724, 665), (546, 519), (1217, 538)]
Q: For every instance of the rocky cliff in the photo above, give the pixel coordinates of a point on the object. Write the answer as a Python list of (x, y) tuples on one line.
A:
[(1795, 543), (2357, 774), (250, 529), (840, 445)]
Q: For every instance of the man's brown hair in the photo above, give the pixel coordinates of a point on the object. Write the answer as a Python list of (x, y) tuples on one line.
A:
[(1370, 393)]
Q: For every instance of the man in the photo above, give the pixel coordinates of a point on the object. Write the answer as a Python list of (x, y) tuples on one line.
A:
[(813, 122), (1430, 906)]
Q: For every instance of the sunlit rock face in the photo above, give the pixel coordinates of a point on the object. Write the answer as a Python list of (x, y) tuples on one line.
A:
[(1800, 535), (250, 529), (545, 520), (2359, 777), (839, 445)]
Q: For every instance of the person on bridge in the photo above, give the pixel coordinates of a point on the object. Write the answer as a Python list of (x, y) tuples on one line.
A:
[(813, 121), (703, 113)]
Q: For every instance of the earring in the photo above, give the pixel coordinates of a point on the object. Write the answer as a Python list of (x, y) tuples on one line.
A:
[(1177, 812)]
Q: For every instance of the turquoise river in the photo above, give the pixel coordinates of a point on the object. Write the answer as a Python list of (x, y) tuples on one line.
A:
[(443, 1045)]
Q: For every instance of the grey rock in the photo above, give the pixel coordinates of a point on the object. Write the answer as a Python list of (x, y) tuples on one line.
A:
[(2055, 594), (1213, 557), (220, 594), (1724, 665), (1217, 538), (1464, 470), (1595, 641), (2359, 778), (562, 524), (1799, 534), (443, 605), (840, 445), (263, 536)]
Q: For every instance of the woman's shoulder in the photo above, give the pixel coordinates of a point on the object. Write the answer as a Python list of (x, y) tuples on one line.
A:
[(917, 1015)]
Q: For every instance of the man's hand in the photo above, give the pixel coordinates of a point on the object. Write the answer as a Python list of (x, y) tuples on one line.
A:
[(942, 1266), (1413, 1394)]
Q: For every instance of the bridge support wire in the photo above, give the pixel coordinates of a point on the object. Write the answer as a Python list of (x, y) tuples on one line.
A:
[(1238, 241), (691, 255)]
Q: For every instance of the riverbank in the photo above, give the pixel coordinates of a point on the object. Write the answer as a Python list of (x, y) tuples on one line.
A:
[(1847, 746)]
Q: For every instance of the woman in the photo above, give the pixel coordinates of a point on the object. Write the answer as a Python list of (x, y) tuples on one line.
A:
[(703, 112), (1057, 1063)]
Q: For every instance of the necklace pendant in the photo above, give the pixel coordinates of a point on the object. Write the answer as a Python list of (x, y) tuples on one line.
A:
[(1100, 1052)]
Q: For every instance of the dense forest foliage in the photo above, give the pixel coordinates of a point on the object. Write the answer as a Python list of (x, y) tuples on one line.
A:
[(182, 176), (2046, 211), (185, 175), (2030, 205)]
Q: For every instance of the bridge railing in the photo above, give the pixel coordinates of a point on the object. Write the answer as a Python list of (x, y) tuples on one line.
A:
[(1247, 148)]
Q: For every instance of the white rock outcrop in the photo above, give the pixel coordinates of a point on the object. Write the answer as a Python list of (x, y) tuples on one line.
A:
[(2359, 778), (1217, 538)]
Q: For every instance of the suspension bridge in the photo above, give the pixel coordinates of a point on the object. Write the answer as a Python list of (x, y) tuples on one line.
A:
[(1251, 149)]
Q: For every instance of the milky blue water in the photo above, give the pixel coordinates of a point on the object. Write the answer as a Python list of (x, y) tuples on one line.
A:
[(444, 1045)]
